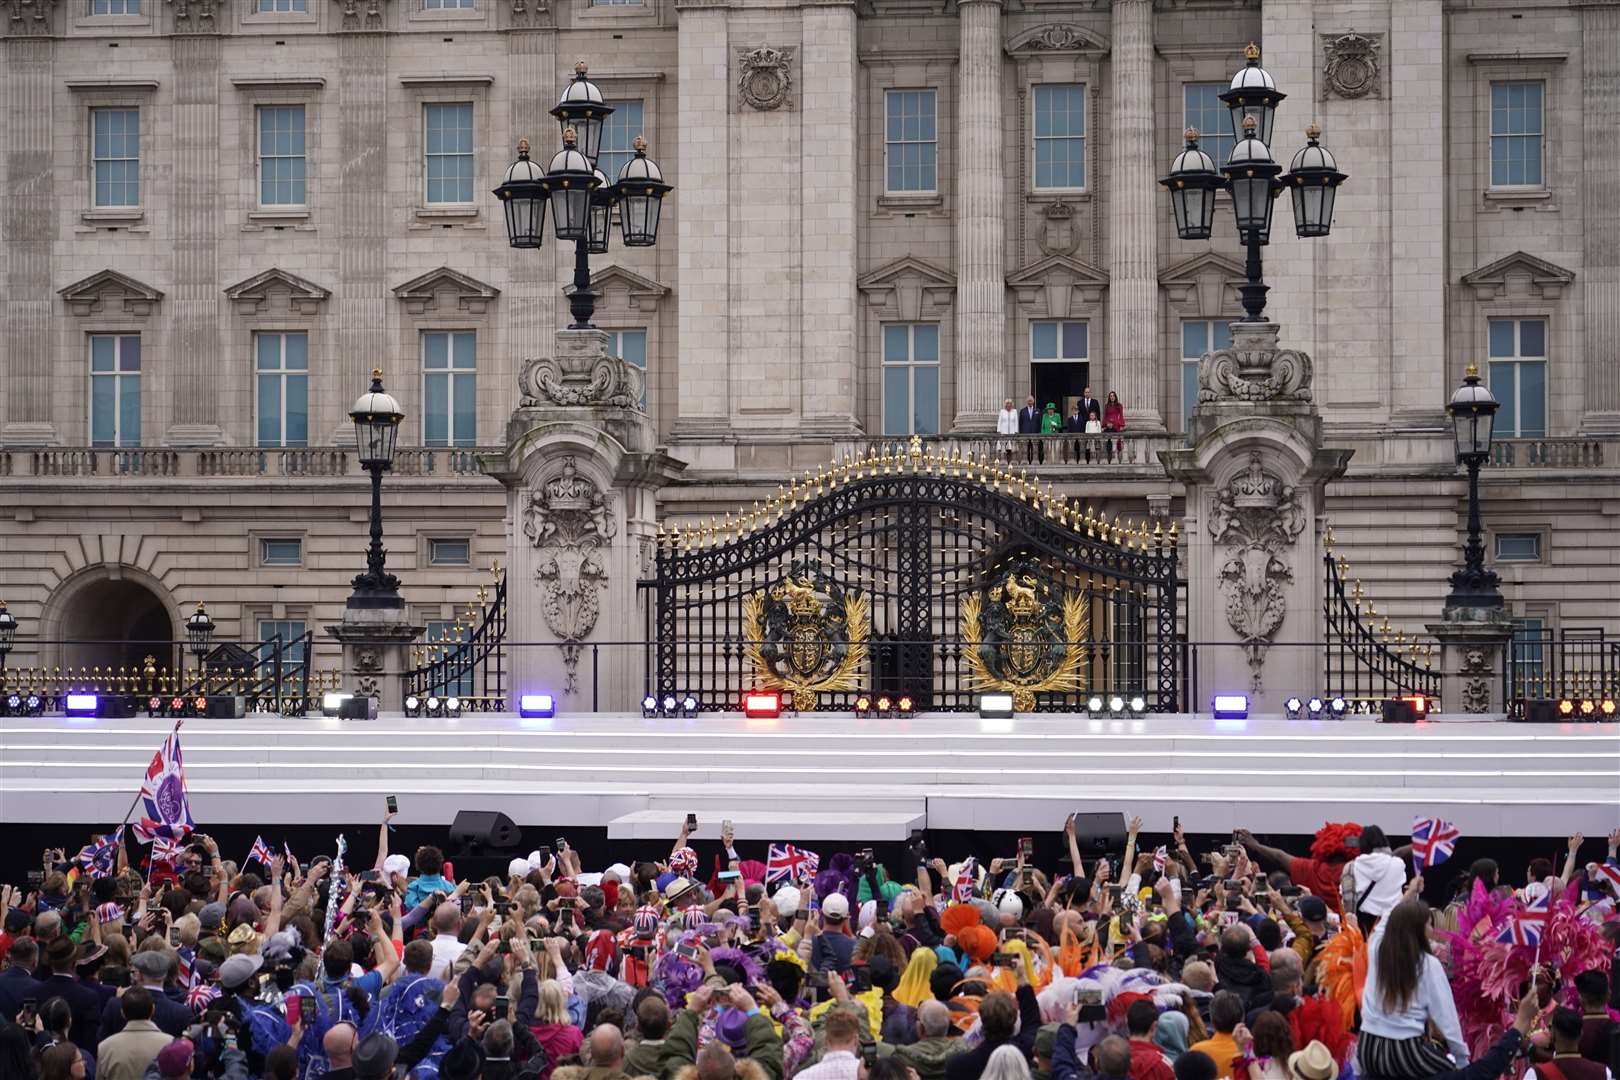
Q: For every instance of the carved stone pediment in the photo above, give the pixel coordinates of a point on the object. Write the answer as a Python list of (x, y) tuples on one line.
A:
[(1051, 286), (1204, 285), (432, 290), (1058, 37), (909, 288), (91, 295), (251, 295), (1350, 64), (1519, 274), (616, 286)]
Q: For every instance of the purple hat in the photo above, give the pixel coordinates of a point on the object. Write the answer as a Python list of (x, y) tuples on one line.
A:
[(729, 1029), (175, 1059)]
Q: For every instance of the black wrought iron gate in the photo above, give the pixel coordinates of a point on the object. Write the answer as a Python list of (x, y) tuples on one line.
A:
[(926, 540)]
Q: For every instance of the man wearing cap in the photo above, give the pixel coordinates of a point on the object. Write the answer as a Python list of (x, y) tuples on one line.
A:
[(126, 1055), (151, 969), (760, 1043), (1307, 918), (61, 956), (833, 948), (262, 1026)]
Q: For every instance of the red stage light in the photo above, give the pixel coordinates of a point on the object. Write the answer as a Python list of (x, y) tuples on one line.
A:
[(1420, 704), (762, 705)]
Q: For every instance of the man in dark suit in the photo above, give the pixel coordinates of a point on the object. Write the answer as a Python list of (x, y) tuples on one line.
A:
[(61, 955), (17, 982), (1090, 408), (151, 970), (1029, 423)]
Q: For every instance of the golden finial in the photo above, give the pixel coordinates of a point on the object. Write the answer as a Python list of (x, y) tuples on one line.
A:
[(1313, 130), (580, 67), (1191, 134), (1158, 534), (1175, 532), (1327, 538), (1251, 52)]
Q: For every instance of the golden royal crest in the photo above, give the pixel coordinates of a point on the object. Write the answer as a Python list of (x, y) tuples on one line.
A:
[(1020, 639), (806, 634)]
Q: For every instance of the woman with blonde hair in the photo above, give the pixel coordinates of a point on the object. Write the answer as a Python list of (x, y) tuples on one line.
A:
[(552, 1027)]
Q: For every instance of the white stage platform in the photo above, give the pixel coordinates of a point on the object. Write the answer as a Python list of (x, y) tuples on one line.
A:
[(832, 776)]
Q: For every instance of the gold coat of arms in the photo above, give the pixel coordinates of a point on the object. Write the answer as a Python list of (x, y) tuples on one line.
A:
[(1020, 638), (807, 634)]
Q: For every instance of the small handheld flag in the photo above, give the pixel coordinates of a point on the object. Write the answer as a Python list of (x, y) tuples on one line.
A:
[(1433, 842)]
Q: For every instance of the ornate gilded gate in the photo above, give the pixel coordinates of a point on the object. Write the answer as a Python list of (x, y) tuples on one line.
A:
[(926, 574)]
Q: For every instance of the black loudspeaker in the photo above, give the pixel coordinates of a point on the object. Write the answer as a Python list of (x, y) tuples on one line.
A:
[(358, 708), (1538, 712), (1099, 834), (483, 830), (1398, 711), (226, 707), (115, 707)]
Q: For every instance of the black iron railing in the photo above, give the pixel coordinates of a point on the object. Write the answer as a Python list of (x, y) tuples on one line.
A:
[(471, 669), (1576, 663), (1362, 663)]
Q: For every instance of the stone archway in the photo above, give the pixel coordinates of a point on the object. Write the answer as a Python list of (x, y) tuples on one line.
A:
[(110, 616)]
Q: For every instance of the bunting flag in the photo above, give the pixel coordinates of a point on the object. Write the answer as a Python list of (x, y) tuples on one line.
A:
[(166, 811), (1433, 842), (1524, 926), (788, 863), (260, 853), (967, 880), (1161, 858), (98, 858)]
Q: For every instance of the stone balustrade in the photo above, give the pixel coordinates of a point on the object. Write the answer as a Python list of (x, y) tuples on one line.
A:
[(315, 462), (1030, 451), (1579, 452)]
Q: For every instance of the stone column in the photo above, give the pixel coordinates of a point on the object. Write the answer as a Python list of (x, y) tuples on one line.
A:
[(1600, 185), (981, 220), (376, 653), (362, 302), (1471, 644), (703, 221), (196, 300), (1135, 365), (30, 230)]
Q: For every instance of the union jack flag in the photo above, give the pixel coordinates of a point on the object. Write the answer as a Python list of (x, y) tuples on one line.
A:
[(165, 857), (166, 811), (260, 853), (788, 863), (1524, 926), (1433, 842), (1609, 872), (110, 912), (967, 880), (200, 996), (1161, 857), (184, 967), (98, 857), (286, 849)]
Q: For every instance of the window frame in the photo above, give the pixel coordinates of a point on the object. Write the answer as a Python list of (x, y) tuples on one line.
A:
[(1210, 325), (1059, 358), (932, 191), (263, 543), (138, 206), (1224, 137), (1518, 361), (283, 372), (118, 374), (616, 348), (1492, 136), (471, 154), (259, 156), (431, 556), (608, 126), (294, 7), (911, 365), (125, 4), (1496, 546), (450, 334), (1036, 139)]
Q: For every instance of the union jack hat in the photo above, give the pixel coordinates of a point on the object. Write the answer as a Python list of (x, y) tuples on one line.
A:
[(647, 920), (692, 918), (684, 861)]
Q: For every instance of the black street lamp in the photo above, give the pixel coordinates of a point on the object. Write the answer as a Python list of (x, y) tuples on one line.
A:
[(582, 198), (1252, 177), (1473, 410), (199, 638), (8, 633), (376, 417)]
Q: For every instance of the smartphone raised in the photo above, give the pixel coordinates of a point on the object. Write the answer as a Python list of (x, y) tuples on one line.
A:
[(295, 1010), (502, 1006), (562, 843), (691, 824), (393, 805), (729, 875), (686, 952), (1026, 847)]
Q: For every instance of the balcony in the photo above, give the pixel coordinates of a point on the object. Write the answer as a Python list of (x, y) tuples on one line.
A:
[(1124, 452), (1580, 452), (164, 463)]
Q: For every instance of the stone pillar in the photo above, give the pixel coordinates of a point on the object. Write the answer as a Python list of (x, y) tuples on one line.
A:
[(1600, 187), (981, 220), (1134, 209), (1471, 645), (362, 302), (1254, 480), (581, 474), (703, 221), (30, 228), (376, 653)]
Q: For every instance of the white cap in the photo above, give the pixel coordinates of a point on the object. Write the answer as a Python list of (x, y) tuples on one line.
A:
[(517, 868), (787, 900), (836, 906), (396, 864)]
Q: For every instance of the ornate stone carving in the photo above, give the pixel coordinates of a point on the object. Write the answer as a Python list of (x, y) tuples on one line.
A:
[(530, 13), (1254, 369), (362, 14), (1477, 673), (569, 521), (1057, 39), (1350, 64), (368, 669), (1257, 516), (28, 17), (600, 380), (196, 16), (765, 78), (1059, 234)]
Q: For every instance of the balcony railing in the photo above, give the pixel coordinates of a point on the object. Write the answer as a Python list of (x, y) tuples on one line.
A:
[(293, 462), (1120, 451), (1570, 453)]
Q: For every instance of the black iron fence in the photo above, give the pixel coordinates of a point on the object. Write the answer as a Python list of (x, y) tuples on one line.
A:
[(1363, 660), (1577, 664)]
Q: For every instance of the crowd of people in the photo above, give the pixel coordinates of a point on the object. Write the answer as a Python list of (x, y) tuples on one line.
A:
[(1086, 416), (1246, 962)]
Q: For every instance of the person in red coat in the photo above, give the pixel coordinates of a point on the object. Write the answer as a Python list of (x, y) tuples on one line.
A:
[(1147, 1060), (1113, 422)]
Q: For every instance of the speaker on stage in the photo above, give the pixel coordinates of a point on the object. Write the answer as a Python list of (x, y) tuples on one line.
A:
[(226, 707), (1398, 711), (1099, 834), (1537, 712), (115, 707), (478, 830)]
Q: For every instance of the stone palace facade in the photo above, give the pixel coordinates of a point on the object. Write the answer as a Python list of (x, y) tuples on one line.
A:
[(888, 217)]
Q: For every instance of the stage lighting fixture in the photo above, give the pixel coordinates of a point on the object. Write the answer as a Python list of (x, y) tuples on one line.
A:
[(14, 703), (452, 706), (81, 705), (904, 705), (669, 704), (332, 702), (1116, 705), (1338, 706), (1606, 708), (1094, 704), (1587, 709), (1230, 706), (883, 705), (762, 705), (1139, 705), (413, 706), (995, 706), (433, 705), (1292, 707), (863, 704), (34, 704), (1566, 707), (537, 705), (201, 705), (154, 705), (1314, 707), (649, 707), (689, 705), (177, 705)]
